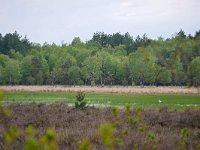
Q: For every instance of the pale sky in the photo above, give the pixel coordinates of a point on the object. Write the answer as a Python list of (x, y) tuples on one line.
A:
[(62, 20)]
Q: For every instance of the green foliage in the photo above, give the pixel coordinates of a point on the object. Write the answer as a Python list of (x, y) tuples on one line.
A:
[(194, 71), (107, 133), (6, 112), (139, 110), (80, 102), (198, 147), (135, 147), (177, 73), (11, 72), (142, 128), (49, 140), (31, 142), (46, 142), (125, 131), (74, 74), (142, 66), (111, 134), (115, 112), (40, 69), (183, 141), (150, 141), (11, 135), (14, 41), (136, 120), (77, 41), (85, 144), (26, 69), (106, 59), (92, 69), (1, 95), (162, 75), (128, 108)]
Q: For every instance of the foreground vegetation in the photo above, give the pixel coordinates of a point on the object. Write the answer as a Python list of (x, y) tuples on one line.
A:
[(105, 128), (106, 59), (108, 99)]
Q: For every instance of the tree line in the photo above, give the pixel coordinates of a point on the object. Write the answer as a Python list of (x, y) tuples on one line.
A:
[(105, 59)]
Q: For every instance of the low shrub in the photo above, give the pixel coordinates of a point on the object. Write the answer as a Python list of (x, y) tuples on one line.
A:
[(80, 102)]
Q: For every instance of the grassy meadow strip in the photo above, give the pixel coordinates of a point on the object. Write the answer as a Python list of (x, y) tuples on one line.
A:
[(109, 99)]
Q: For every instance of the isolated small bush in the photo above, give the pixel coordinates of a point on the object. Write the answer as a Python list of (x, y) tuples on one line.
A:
[(184, 134), (115, 113), (85, 144), (49, 140), (198, 147), (31, 142), (150, 141), (135, 147), (80, 102), (128, 108), (11, 135), (107, 133)]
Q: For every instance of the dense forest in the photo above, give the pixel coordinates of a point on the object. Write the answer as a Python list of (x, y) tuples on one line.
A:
[(106, 59)]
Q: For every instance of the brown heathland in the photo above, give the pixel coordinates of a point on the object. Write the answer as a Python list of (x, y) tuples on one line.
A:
[(72, 125)]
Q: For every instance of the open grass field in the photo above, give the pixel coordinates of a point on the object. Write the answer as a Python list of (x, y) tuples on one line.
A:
[(175, 97), (109, 99)]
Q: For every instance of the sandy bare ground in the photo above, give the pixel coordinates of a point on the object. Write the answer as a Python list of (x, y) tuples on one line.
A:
[(107, 89)]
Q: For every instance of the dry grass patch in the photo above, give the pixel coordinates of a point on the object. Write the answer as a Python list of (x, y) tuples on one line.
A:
[(107, 89)]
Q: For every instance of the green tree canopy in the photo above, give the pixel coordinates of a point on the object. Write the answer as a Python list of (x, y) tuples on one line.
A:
[(194, 71)]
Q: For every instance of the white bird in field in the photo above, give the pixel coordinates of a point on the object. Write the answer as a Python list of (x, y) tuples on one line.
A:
[(159, 101)]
